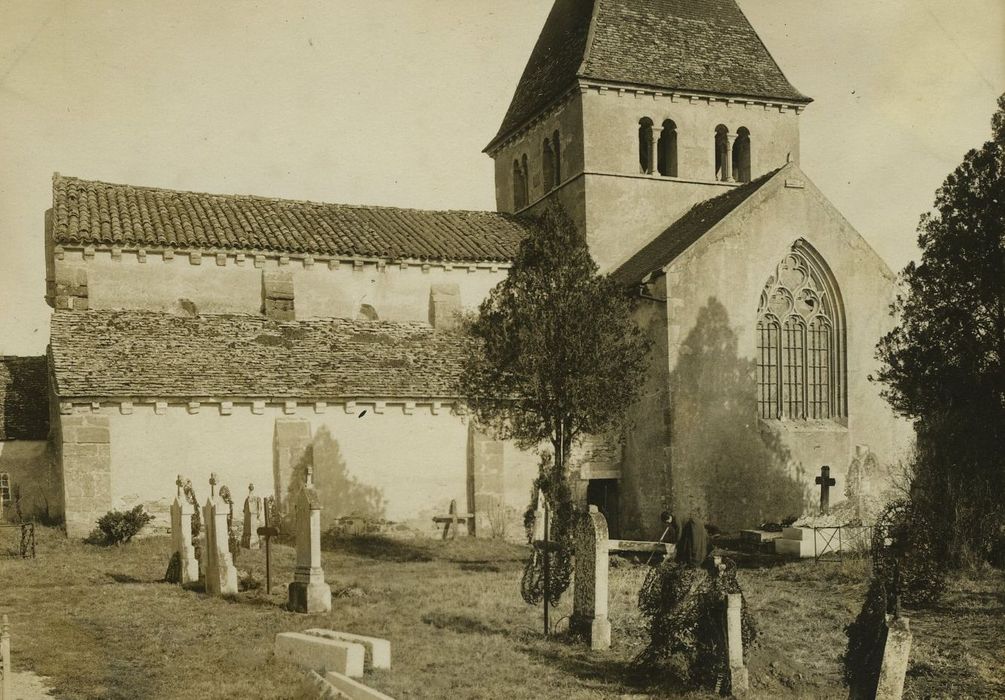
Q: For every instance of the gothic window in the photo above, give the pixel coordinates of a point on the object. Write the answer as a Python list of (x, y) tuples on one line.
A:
[(5, 495), (518, 199), (721, 153), (741, 155), (666, 158), (646, 144), (556, 146), (548, 165), (800, 340)]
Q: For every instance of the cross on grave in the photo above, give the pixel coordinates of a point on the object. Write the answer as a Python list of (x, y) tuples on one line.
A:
[(212, 485), (452, 519), (824, 481), (180, 484), (268, 532)]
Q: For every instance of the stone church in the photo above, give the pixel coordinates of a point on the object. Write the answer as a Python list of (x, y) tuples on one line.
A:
[(248, 336)]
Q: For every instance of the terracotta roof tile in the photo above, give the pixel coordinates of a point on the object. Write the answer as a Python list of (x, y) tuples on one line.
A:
[(119, 354), (705, 46), (24, 398), (87, 212)]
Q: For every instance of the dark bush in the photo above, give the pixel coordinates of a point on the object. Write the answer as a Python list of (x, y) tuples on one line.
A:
[(905, 555), (685, 607), (117, 527)]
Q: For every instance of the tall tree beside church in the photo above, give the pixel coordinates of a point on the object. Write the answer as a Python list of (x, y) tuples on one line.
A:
[(558, 355), (944, 364)]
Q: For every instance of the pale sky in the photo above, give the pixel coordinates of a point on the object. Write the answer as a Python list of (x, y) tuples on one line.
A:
[(381, 102)]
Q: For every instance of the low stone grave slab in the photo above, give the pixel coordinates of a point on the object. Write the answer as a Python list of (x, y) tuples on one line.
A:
[(316, 653), (759, 536), (354, 690), (806, 542), (378, 651)]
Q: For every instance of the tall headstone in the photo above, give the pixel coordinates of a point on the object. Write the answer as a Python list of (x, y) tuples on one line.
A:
[(309, 593), (895, 657), (252, 519), (590, 596), (181, 534), (739, 679), (221, 576)]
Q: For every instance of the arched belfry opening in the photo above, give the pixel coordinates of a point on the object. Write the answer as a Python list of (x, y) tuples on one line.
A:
[(741, 155), (721, 153), (525, 179), (548, 165), (519, 201), (666, 152), (556, 147), (646, 145), (801, 346)]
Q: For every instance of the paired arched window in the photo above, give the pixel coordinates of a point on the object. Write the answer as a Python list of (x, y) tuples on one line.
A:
[(646, 144), (551, 162), (741, 155), (721, 153), (666, 150), (521, 191), (800, 342)]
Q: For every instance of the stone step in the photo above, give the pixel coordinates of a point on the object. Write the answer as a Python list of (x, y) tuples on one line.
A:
[(378, 651), (354, 690), (318, 653)]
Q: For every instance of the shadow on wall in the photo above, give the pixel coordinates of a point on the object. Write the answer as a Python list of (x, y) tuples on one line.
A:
[(341, 494), (721, 462)]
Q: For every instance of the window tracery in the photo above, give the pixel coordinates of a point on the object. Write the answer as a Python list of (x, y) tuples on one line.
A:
[(800, 371)]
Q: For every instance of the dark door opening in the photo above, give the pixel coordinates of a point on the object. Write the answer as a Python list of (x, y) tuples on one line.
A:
[(603, 493)]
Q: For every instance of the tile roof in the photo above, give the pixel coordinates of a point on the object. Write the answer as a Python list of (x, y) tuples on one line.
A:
[(121, 354), (87, 212), (24, 398), (706, 46), (694, 224)]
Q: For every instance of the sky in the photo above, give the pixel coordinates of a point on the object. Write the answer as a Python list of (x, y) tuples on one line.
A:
[(392, 101)]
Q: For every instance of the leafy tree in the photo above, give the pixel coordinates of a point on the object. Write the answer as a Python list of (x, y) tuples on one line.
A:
[(557, 354), (944, 364)]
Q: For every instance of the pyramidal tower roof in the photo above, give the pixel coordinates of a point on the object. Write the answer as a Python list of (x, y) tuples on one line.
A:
[(704, 46)]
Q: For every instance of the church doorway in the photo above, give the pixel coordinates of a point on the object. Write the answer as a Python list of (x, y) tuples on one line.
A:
[(603, 493)]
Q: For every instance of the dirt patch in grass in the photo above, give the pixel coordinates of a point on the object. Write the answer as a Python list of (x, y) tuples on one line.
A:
[(98, 623)]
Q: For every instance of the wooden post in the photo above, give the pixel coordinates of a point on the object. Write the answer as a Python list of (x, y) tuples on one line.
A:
[(5, 682), (547, 568)]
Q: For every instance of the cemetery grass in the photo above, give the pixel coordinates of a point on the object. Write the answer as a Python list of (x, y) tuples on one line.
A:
[(98, 623)]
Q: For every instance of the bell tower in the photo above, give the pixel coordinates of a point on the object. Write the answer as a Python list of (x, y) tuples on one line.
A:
[(630, 112)]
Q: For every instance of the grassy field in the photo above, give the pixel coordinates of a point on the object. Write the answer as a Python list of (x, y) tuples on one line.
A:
[(98, 624)]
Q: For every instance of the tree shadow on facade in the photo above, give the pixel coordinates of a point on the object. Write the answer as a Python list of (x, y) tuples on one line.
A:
[(341, 494), (723, 462)]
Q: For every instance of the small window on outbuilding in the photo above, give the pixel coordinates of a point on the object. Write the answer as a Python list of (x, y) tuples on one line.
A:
[(741, 155), (367, 313), (646, 144), (666, 151), (721, 153), (548, 165)]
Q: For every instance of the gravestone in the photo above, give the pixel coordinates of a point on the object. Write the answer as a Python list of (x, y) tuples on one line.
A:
[(590, 596), (252, 519), (221, 576), (309, 593), (738, 677), (895, 657), (181, 535)]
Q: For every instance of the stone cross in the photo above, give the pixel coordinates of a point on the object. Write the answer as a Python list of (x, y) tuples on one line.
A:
[(252, 519), (451, 520), (824, 481), (590, 596), (181, 535), (309, 593), (221, 576)]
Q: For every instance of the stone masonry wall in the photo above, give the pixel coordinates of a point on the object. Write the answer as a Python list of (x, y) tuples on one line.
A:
[(85, 456)]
